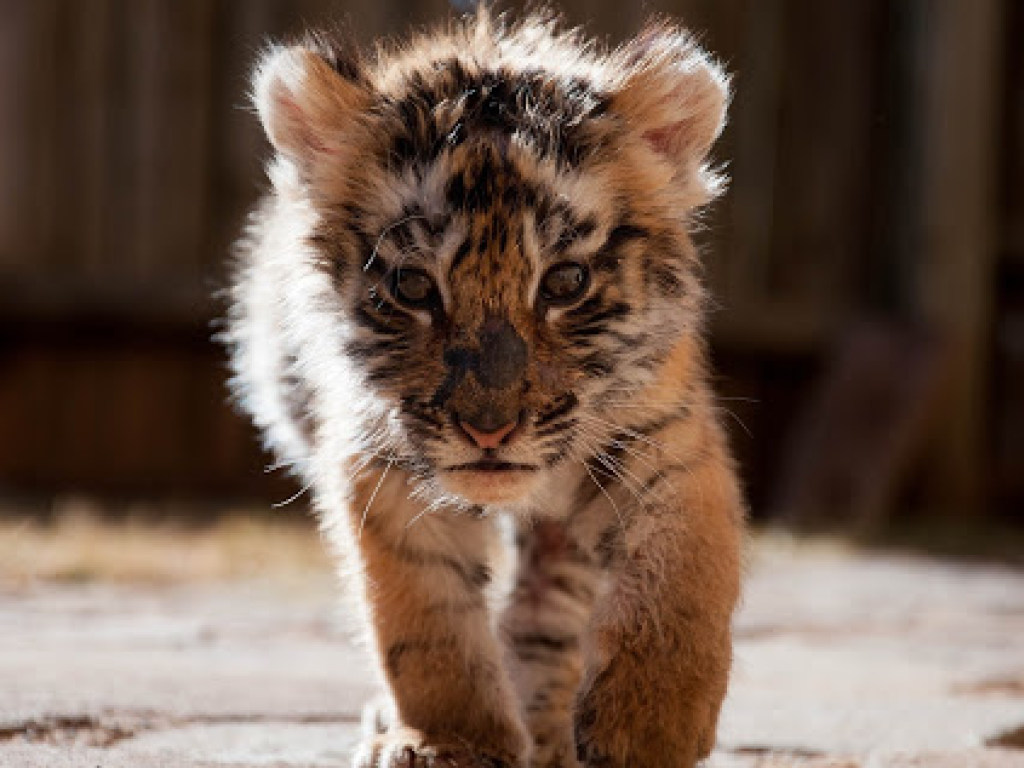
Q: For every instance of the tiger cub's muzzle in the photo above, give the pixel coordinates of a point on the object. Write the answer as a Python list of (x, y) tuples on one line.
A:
[(485, 382)]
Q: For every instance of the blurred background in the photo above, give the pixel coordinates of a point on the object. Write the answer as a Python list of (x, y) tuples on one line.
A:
[(867, 262)]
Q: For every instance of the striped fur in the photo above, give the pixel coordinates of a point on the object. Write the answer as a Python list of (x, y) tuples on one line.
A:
[(467, 164)]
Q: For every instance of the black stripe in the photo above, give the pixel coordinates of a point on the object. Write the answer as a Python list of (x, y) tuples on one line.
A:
[(460, 255), (475, 575), (424, 412), (563, 405), (596, 365), (402, 235), (557, 428), (616, 311), (584, 229), (385, 373), (610, 255), (593, 313), (609, 544), (378, 325), (664, 279), (648, 428), (401, 648), (375, 348), (624, 233), (588, 307)]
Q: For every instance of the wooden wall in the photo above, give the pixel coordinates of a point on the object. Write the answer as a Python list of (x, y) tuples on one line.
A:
[(1007, 330), (128, 158)]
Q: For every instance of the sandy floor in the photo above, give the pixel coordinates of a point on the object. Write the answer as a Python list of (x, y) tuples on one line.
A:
[(219, 649)]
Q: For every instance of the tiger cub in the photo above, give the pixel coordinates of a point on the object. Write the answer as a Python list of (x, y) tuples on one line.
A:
[(468, 316)]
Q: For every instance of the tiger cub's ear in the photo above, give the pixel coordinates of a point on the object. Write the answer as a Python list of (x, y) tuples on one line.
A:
[(674, 94), (305, 103)]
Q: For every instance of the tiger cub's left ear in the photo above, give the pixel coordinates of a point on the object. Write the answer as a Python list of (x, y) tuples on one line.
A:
[(307, 103), (674, 94)]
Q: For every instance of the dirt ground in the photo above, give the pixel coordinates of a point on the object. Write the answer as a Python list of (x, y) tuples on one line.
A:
[(142, 646)]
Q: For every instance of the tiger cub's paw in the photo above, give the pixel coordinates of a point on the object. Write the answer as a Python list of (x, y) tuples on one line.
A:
[(406, 748)]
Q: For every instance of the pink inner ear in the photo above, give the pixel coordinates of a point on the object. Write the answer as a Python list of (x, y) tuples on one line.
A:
[(298, 122), (664, 140)]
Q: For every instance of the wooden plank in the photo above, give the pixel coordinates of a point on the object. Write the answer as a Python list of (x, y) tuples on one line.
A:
[(179, 155), (152, 426), (1013, 137), (132, 211), (723, 28), (960, 81), (177, 303), (84, 39), (86, 417), (44, 107), (1008, 368), (17, 80), (824, 137), (743, 274), (238, 149), (27, 391)]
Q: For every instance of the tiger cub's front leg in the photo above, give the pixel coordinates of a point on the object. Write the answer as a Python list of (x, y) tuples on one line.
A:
[(659, 649), (543, 626), (426, 578)]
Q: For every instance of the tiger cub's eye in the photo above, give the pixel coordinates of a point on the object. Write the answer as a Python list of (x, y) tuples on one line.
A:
[(564, 283), (413, 287)]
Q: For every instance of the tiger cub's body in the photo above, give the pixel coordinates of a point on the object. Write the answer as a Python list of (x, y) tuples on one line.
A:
[(471, 300)]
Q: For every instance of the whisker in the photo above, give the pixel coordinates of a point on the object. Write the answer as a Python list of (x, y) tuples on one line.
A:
[(280, 464), (644, 459), (436, 504), (618, 472), (608, 496), (366, 509), (656, 444), (737, 419), (384, 234), (294, 497)]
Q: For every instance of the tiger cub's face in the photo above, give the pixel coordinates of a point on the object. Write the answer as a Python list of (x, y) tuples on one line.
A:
[(498, 224)]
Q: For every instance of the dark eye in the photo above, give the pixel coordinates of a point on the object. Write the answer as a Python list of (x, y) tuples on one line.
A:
[(414, 287), (564, 283)]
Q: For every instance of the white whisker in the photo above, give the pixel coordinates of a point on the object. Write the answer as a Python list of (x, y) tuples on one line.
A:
[(369, 503), (294, 497), (608, 496)]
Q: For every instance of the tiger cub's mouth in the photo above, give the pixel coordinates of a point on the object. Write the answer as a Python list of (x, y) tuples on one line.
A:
[(492, 465), (490, 480)]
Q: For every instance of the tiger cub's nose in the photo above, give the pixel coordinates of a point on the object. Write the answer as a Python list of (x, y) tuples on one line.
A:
[(487, 438)]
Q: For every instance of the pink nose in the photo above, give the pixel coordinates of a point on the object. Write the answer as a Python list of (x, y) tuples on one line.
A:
[(487, 440)]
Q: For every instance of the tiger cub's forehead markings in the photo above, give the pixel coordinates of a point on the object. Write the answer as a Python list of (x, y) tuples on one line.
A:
[(437, 106), (493, 201), (487, 174)]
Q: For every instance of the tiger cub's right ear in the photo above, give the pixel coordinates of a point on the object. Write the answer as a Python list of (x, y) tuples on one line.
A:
[(306, 105)]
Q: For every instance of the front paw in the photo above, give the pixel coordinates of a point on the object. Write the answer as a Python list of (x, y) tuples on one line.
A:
[(407, 748), (622, 723)]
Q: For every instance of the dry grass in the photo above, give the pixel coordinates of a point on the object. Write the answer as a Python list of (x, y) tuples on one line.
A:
[(81, 545)]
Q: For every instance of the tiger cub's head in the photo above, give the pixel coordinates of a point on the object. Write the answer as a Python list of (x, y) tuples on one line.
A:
[(485, 238)]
